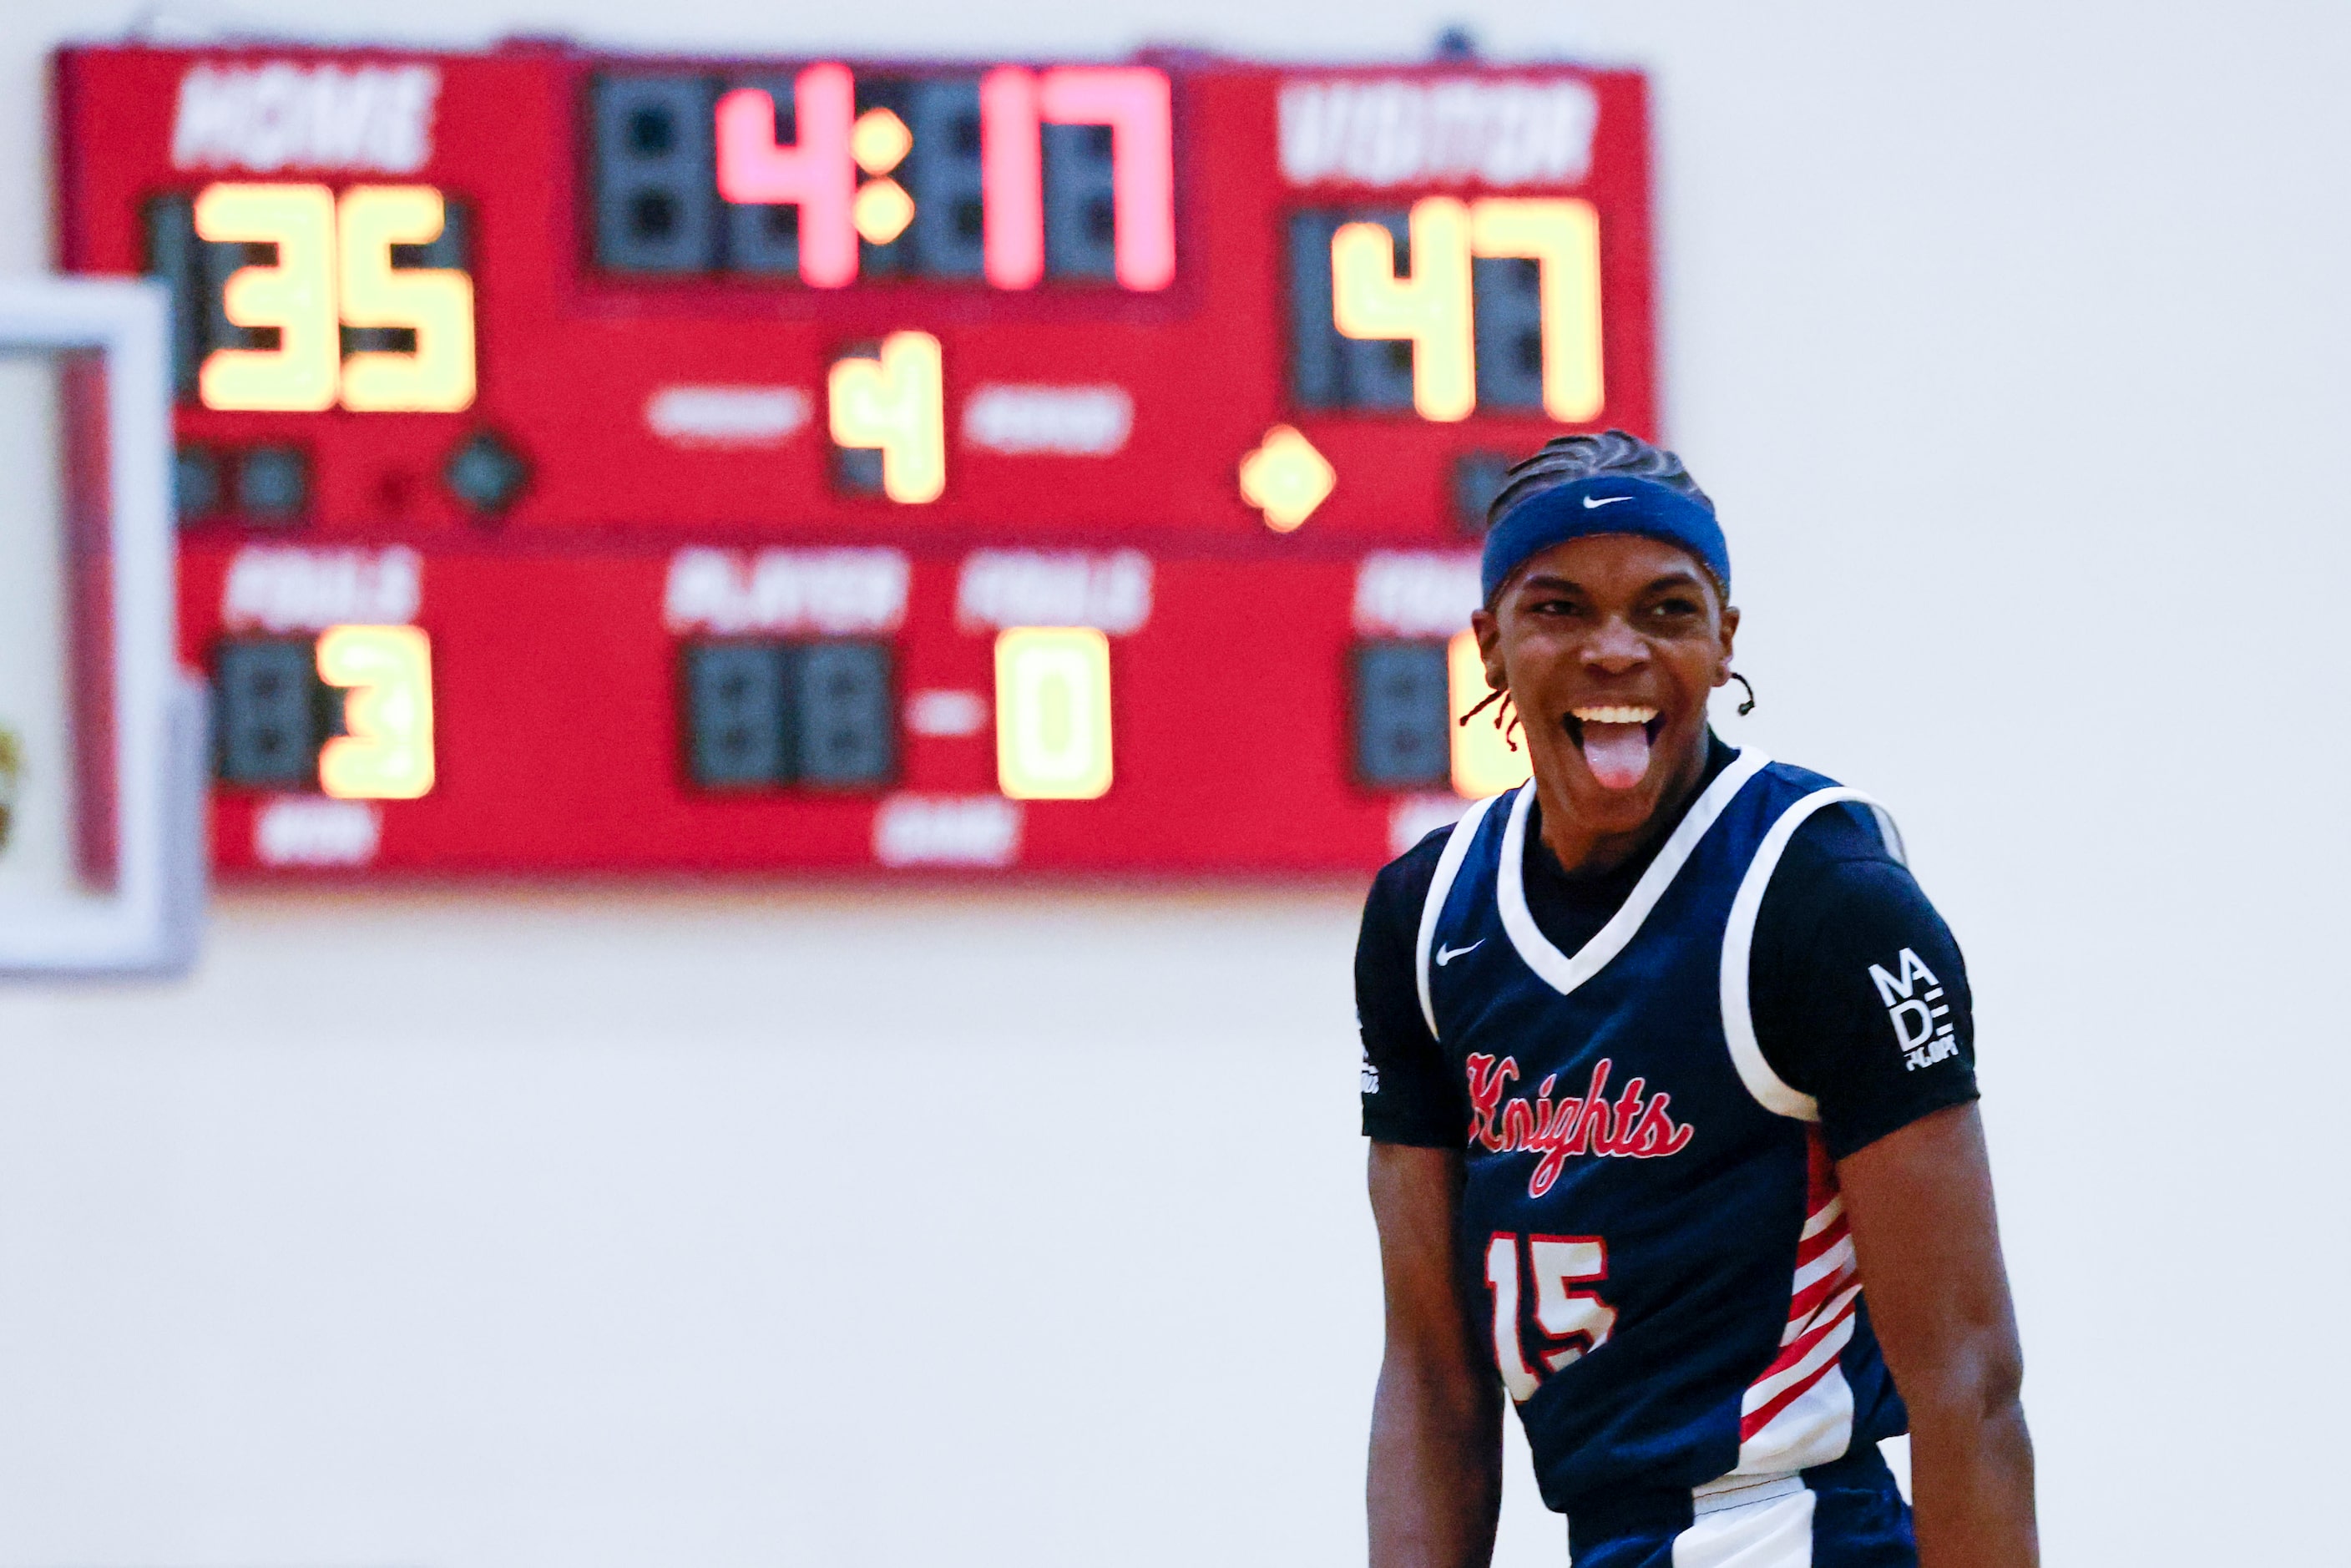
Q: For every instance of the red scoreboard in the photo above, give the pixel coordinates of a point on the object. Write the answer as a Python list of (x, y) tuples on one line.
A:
[(635, 463)]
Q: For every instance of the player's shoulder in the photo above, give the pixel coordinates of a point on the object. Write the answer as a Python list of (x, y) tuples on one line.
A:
[(1402, 885), (1399, 893), (1843, 866), (1845, 833)]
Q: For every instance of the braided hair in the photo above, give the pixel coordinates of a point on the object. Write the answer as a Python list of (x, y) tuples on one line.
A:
[(1562, 460)]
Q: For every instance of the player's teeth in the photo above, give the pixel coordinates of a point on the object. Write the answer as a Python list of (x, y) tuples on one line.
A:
[(1615, 714)]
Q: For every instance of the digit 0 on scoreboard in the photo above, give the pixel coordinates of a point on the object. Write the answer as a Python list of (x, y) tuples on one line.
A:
[(1052, 713)]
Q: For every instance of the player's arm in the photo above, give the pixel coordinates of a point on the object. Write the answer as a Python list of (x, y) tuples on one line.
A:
[(1869, 1011), (1437, 1424), (1924, 1233), (1436, 1483)]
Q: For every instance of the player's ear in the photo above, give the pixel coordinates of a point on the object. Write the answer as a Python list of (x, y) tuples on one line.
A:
[(1728, 635), (1489, 633)]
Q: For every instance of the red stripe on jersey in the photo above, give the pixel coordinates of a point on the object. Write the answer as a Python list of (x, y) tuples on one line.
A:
[(1820, 1192), (1810, 1302), (1801, 1345), (1755, 1420), (1820, 1171), (1806, 1302), (1812, 1247)]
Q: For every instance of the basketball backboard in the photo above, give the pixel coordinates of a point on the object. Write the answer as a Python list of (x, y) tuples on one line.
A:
[(101, 737)]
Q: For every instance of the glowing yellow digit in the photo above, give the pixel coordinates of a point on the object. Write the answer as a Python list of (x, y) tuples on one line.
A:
[(1052, 713), (296, 296), (1562, 238), (895, 402), (1483, 762), (388, 755), (1431, 308), (435, 303)]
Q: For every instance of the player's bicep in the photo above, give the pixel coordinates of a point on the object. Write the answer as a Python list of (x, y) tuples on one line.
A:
[(1927, 1237), (1865, 1003), (1415, 1202)]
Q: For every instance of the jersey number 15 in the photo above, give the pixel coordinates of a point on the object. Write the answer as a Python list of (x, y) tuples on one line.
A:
[(1571, 1321)]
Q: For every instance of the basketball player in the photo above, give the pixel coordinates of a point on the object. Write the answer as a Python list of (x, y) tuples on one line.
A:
[(1669, 1078)]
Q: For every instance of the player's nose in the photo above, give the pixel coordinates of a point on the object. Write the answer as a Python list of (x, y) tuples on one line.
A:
[(1614, 647)]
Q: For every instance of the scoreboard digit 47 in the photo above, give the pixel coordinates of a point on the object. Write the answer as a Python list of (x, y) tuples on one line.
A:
[(632, 464)]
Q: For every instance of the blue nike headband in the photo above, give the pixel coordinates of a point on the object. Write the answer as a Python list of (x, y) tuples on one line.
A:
[(1602, 504)]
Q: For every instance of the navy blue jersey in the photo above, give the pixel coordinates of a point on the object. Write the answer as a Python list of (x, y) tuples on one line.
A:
[(1651, 1208), (1840, 913)]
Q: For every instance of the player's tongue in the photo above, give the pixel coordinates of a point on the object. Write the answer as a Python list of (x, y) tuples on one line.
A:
[(1616, 744)]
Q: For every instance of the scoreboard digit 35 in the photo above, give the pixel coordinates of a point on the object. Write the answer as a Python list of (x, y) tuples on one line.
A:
[(633, 463)]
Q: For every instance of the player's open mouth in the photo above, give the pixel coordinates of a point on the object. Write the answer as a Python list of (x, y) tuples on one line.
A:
[(1614, 740)]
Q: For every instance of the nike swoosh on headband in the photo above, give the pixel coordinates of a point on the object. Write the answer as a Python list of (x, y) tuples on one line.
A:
[(1590, 502)]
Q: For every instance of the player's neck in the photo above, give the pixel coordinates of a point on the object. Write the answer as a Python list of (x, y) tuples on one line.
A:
[(1584, 849)]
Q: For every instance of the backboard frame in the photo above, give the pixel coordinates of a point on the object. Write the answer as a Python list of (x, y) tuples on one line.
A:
[(148, 922)]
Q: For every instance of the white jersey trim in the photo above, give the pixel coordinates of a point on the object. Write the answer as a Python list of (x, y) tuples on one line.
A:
[(1559, 971), (1890, 834), (1449, 867), (1772, 1092), (1771, 1529)]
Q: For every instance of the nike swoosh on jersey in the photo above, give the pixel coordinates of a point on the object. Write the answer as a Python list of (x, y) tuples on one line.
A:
[(1447, 954)]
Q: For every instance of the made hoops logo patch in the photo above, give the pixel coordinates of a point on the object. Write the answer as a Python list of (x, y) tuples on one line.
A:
[(1635, 1127), (1922, 1023)]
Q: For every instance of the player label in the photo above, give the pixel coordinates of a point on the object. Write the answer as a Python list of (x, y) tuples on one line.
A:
[(832, 593)]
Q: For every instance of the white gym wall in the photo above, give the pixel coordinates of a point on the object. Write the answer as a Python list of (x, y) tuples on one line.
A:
[(613, 1228)]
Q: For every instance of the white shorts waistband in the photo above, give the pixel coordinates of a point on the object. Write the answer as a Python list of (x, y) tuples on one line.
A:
[(1736, 1490)]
